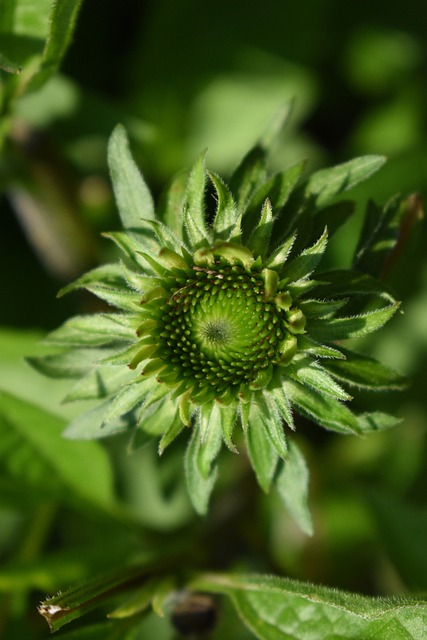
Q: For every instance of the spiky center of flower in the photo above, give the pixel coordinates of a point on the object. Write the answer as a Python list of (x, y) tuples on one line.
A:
[(219, 331)]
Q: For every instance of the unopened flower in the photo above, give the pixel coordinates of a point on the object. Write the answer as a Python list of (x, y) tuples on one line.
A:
[(222, 317)]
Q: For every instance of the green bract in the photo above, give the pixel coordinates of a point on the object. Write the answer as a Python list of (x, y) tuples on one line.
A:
[(223, 318)]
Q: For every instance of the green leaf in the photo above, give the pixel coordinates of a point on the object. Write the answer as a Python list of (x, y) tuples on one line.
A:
[(376, 421), (332, 217), (133, 197), (194, 212), (365, 372), (62, 22), (40, 457), (90, 425), (352, 326), (324, 410), (199, 485), (304, 264), (279, 608), (260, 237), (9, 65), (106, 274), (171, 204), (325, 184), (262, 453), (345, 282), (249, 175), (94, 330), (68, 364), (99, 383), (292, 485), (226, 212), (315, 376), (209, 425)]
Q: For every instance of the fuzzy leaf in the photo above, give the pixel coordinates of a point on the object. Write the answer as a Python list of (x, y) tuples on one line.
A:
[(226, 213), (116, 297), (365, 372), (94, 330), (352, 326), (211, 437), (316, 377), (313, 348), (304, 264), (106, 274), (260, 237), (292, 485), (284, 609), (133, 197), (324, 410), (90, 425), (194, 211), (171, 204), (325, 184), (199, 486), (68, 364), (345, 282), (100, 382), (376, 421), (262, 453), (249, 175)]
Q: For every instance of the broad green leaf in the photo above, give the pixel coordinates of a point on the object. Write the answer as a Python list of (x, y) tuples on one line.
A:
[(209, 425), (127, 398), (325, 184), (199, 486), (132, 244), (283, 609), (262, 453), (273, 423), (121, 298), (94, 330), (376, 421), (304, 264), (226, 212), (99, 383), (68, 364), (106, 274), (292, 484), (315, 376), (90, 425), (324, 410), (77, 469), (365, 372), (345, 282), (352, 326), (133, 197)]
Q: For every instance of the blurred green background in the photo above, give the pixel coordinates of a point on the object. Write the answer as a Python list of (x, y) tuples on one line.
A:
[(182, 76)]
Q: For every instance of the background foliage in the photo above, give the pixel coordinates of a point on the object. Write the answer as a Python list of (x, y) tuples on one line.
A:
[(182, 77)]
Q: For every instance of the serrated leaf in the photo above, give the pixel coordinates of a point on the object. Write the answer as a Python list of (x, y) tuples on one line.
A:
[(262, 453), (325, 184), (41, 458), (226, 214), (133, 197), (199, 486), (292, 484), (279, 608), (324, 410), (304, 264), (365, 372), (352, 326)]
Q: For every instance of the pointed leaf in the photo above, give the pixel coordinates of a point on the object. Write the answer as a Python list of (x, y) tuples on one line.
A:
[(249, 175), (226, 213), (99, 383), (316, 377), (133, 197), (325, 184), (376, 421), (324, 410), (365, 372), (211, 437), (199, 486), (260, 237), (351, 327), (194, 212), (345, 282), (171, 204), (68, 364), (94, 330), (90, 425), (262, 453), (304, 264), (106, 274), (292, 484)]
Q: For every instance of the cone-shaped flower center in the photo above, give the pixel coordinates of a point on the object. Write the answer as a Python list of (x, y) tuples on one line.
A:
[(219, 331)]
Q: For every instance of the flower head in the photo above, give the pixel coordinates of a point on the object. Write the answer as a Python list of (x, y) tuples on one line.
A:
[(223, 317)]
